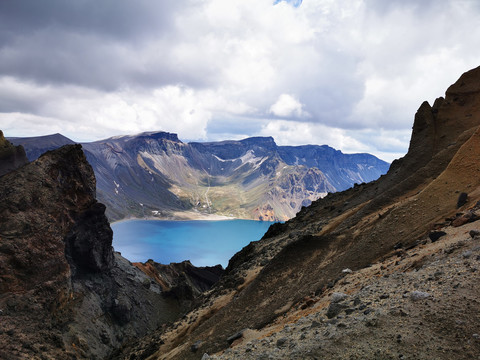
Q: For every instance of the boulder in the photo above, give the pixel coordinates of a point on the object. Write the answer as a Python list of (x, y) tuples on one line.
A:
[(435, 235), (462, 199), (334, 309), (463, 219)]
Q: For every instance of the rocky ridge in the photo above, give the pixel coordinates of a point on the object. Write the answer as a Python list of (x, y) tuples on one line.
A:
[(299, 263), (154, 174), (64, 292), (182, 281), (11, 157), (420, 304), (38, 145)]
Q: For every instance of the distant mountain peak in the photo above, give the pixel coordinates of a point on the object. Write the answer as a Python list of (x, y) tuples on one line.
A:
[(156, 135), (160, 135), (156, 173), (260, 140), (36, 146)]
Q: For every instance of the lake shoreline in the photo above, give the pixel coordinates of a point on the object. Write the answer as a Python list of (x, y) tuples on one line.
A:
[(183, 216)]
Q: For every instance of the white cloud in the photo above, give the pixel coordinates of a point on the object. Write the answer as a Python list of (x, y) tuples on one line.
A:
[(385, 144), (341, 72), (85, 113), (26, 125), (301, 133), (287, 106)]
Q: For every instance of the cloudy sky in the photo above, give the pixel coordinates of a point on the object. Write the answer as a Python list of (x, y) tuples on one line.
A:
[(347, 73)]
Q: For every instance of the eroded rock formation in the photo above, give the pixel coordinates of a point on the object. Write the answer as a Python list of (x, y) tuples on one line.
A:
[(64, 293), (182, 281)]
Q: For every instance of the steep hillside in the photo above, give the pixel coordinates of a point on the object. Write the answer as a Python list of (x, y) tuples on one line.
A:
[(436, 185), (156, 175), (64, 293), (129, 185), (421, 303)]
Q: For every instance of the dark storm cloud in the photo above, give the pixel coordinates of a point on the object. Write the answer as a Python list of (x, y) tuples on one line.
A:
[(349, 73), (114, 18), (89, 43)]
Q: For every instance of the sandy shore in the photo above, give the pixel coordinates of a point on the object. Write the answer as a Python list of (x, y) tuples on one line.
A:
[(182, 216), (193, 215)]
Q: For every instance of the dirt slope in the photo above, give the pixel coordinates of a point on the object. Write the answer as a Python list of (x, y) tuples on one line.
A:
[(420, 304), (353, 229)]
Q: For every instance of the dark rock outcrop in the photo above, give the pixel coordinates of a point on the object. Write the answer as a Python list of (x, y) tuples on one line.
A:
[(64, 293), (11, 157), (462, 199), (435, 235), (40, 203), (88, 245), (461, 219), (182, 281)]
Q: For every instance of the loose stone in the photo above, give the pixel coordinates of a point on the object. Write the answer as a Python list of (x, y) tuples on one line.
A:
[(337, 297), (419, 295)]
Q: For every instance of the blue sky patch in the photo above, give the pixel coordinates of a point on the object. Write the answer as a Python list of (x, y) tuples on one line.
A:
[(294, 3)]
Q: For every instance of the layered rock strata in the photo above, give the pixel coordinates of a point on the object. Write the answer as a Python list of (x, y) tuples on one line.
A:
[(154, 174)]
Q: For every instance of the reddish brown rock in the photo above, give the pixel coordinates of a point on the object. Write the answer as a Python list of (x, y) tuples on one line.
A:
[(463, 219)]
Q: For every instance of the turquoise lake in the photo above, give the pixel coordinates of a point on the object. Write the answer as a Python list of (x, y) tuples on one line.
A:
[(204, 243)]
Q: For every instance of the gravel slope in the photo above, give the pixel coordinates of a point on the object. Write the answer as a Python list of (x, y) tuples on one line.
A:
[(423, 303)]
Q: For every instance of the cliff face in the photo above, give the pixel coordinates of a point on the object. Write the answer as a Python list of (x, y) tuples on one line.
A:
[(41, 203), (11, 157), (182, 281), (298, 263), (64, 293), (154, 174)]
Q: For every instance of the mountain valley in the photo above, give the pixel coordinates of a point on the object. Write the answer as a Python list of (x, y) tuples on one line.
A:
[(155, 175), (388, 269), (383, 270)]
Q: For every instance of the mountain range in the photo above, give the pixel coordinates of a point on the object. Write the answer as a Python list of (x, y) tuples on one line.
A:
[(64, 292), (154, 174), (384, 270)]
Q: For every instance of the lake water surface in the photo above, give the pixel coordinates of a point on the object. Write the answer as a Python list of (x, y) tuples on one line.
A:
[(204, 243)]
